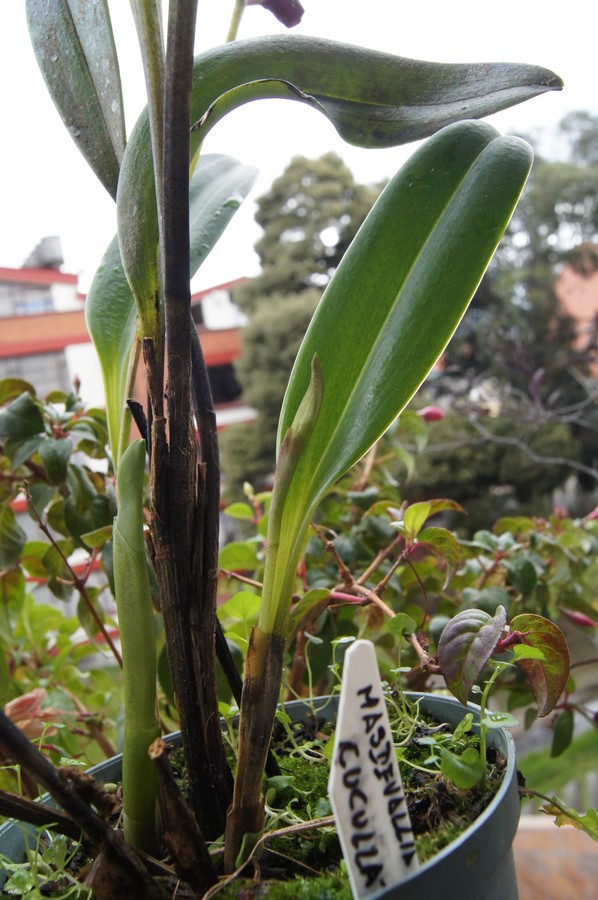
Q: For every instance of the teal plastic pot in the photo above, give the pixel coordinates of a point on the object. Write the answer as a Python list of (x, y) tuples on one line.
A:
[(479, 865)]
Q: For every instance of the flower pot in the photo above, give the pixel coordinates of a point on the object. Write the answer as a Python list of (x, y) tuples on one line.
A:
[(478, 865)]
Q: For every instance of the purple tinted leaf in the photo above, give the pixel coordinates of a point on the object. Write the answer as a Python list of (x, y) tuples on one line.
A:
[(548, 676), (466, 645)]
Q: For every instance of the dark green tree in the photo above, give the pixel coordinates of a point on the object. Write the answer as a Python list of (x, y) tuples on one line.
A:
[(517, 334), (270, 344), (516, 330), (309, 217)]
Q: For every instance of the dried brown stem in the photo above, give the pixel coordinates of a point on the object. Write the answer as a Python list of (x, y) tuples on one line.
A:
[(123, 868), (243, 579), (180, 831), (39, 814), (380, 557), (182, 489), (426, 662), (371, 594)]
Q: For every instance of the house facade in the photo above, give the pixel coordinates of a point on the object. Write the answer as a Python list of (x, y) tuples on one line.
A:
[(44, 339)]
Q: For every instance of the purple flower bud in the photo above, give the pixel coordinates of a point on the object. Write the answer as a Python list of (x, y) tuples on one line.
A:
[(289, 12)]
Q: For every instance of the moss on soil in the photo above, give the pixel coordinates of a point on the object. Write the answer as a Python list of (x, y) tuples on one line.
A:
[(309, 865)]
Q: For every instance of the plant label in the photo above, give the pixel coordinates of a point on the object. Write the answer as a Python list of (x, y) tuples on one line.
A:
[(365, 787)]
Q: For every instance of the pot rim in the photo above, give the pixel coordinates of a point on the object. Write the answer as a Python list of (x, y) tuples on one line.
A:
[(329, 703)]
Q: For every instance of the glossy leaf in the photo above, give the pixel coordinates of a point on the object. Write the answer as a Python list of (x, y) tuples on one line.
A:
[(19, 450), (548, 676), (31, 559), (238, 556), (218, 185), (402, 624), (443, 543), (381, 324), (563, 732), (21, 419), (499, 720), (11, 388), (415, 518), (55, 455), (12, 537), (12, 589), (466, 645), (240, 511), (391, 308), (463, 770), (522, 575), (74, 47), (304, 609), (373, 100)]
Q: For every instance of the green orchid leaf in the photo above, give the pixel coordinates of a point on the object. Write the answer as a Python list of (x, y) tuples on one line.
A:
[(218, 186), (402, 289), (373, 100), (74, 47), (390, 309), (111, 318), (466, 645), (547, 676)]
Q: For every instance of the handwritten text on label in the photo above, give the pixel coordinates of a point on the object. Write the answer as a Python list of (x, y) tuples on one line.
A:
[(366, 791)]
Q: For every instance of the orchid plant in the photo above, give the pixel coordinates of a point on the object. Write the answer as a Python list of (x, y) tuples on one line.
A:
[(384, 320)]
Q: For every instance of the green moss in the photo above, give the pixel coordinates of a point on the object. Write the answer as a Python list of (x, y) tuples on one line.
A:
[(326, 887)]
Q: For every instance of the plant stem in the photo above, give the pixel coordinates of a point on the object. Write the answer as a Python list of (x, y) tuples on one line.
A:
[(483, 702), (182, 835), (136, 621), (233, 28)]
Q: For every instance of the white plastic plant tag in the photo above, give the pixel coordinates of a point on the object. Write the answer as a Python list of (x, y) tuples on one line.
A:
[(365, 787)]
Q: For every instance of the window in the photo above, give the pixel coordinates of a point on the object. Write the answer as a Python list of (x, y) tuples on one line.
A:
[(45, 371)]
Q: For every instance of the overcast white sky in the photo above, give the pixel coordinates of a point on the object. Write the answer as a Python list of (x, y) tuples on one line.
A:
[(46, 187)]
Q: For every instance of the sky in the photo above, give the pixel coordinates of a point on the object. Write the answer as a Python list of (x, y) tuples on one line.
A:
[(46, 187)]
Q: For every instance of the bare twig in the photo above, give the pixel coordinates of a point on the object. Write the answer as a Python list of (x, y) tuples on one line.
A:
[(531, 454)]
